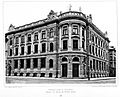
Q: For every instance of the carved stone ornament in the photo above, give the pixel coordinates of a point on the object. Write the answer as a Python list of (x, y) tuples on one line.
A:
[(52, 14), (11, 27)]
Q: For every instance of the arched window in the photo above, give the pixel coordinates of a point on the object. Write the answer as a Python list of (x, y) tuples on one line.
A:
[(51, 63), (29, 37), (76, 59), (64, 59), (51, 47), (36, 36), (22, 39)]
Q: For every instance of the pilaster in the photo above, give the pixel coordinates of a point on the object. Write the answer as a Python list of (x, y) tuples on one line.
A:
[(81, 38), (69, 67), (70, 40), (60, 34)]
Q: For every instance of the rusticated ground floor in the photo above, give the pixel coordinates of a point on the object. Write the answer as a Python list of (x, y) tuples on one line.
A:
[(62, 66)]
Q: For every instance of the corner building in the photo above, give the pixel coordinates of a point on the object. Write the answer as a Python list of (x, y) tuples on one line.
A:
[(67, 45), (112, 61)]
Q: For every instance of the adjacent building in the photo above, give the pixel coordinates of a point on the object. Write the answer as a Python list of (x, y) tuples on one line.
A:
[(112, 61), (67, 45)]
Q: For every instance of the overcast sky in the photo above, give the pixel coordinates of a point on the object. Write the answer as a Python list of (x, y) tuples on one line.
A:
[(103, 14)]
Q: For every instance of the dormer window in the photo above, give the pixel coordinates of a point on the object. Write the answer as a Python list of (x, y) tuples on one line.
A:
[(75, 30), (65, 30)]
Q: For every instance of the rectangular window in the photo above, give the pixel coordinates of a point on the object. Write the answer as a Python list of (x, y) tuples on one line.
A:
[(51, 33), (17, 40), (21, 63), (92, 38), (94, 64), (16, 51), (65, 45), (83, 32), (83, 44), (10, 41), (93, 49), (90, 49), (28, 63), (96, 51), (43, 47), (96, 40), (75, 30), (35, 63), (10, 52), (43, 62), (15, 64), (75, 44), (43, 35), (65, 30), (35, 48), (22, 50), (29, 49)]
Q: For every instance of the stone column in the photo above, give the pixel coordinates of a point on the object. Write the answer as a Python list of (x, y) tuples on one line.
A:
[(12, 67), (81, 38), (59, 67), (70, 40), (25, 44), (24, 67), (31, 66), (85, 38), (32, 46), (39, 46), (47, 67), (69, 65), (19, 48), (81, 71), (39, 63), (18, 67)]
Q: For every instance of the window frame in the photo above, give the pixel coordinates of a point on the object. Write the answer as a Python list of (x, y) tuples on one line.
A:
[(65, 30), (76, 27), (66, 45)]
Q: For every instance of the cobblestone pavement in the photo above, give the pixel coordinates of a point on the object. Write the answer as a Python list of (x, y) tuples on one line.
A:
[(35, 80)]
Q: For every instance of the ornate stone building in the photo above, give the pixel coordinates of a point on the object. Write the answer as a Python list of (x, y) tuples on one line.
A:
[(112, 61), (67, 45)]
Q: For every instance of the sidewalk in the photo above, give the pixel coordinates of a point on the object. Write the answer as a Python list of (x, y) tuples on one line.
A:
[(21, 77)]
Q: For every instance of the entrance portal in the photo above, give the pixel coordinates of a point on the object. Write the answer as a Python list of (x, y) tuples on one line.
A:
[(64, 70), (75, 70)]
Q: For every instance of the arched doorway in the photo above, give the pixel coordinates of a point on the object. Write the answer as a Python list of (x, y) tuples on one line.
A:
[(75, 69), (64, 67)]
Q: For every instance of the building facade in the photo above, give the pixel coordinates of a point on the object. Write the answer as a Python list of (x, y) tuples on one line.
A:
[(67, 45), (112, 61)]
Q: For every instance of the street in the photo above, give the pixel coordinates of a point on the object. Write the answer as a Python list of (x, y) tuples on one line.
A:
[(36, 80)]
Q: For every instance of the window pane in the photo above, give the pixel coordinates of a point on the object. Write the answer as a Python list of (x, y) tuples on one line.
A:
[(75, 44), (65, 44)]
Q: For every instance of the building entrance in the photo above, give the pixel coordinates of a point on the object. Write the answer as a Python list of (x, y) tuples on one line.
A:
[(75, 70), (64, 70)]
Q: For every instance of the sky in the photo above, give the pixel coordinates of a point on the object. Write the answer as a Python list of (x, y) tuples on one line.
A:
[(103, 13)]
